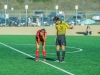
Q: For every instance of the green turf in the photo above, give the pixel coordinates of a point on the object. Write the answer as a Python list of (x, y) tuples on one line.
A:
[(85, 62)]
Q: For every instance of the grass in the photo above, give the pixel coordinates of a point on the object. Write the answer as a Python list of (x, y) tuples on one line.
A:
[(85, 62)]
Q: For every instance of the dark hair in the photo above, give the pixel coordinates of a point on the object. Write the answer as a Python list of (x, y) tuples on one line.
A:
[(88, 27), (55, 18), (42, 30)]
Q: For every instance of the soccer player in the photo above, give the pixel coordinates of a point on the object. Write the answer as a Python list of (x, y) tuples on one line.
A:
[(41, 37), (60, 37)]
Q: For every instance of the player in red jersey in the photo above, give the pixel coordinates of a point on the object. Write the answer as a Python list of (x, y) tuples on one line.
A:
[(41, 37)]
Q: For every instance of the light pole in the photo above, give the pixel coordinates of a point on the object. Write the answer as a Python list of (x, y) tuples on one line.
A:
[(56, 7), (26, 7), (5, 7), (76, 7)]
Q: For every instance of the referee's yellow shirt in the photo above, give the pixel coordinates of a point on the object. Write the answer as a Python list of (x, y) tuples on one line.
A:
[(61, 28)]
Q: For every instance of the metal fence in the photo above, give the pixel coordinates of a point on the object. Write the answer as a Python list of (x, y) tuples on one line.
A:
[(68, 14), (23, 13)]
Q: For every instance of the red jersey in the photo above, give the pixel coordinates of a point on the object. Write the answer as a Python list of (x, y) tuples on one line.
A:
[(38, 35)]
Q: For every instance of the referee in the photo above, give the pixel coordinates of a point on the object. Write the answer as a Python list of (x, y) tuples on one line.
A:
[(60, 38)]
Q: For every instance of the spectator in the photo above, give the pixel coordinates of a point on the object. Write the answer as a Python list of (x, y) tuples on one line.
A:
[(38, 21), (29, 22), (88, 31)]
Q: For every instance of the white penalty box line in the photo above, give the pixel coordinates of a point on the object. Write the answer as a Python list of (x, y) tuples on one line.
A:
[(39, 60), (78, 49)]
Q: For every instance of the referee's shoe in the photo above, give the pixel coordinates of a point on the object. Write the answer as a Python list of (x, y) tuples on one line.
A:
[(62, 61), (57, 60)]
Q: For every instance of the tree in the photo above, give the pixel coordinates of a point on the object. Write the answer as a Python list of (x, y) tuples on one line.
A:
[(20, 1), (42, 0)]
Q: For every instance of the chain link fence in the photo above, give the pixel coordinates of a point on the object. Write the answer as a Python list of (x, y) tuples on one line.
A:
[(29, 13)]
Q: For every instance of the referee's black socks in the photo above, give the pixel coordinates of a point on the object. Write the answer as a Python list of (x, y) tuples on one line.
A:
[(63, 54), (58, 54)]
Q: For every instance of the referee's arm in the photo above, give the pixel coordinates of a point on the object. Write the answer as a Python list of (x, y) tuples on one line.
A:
[(69, 27)]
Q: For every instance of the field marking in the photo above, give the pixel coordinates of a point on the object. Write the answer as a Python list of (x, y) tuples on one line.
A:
[(79, 49), (66, 52), (39, 60)]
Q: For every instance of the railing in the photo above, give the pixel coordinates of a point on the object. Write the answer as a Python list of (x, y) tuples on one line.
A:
[(22, 13)]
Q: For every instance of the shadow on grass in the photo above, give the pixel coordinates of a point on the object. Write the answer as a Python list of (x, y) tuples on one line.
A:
[(30, 58), (33, 59), (50, 59)]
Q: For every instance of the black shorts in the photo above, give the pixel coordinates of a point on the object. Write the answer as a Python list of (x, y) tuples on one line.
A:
[(61, 40)]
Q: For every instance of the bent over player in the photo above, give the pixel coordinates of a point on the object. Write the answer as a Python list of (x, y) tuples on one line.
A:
[(61, 38), (41, 38)]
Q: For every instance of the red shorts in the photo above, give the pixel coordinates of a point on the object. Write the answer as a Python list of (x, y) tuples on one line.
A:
[(41, 39)]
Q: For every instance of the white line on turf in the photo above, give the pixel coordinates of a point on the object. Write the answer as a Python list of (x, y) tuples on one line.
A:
[(79, 49), (39, 60), (16, 50)]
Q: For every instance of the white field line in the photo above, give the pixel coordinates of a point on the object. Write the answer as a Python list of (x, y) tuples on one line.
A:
[(39, 60), (78, 49)]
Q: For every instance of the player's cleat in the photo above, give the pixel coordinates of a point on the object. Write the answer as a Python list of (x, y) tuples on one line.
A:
[(37, 58), (44, 60), (57, 60), (62, 61)]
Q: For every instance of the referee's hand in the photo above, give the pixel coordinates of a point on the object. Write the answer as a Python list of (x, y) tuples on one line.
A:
[(71, 27)]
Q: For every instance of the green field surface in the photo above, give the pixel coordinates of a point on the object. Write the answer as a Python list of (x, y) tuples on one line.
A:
[(17, 56)]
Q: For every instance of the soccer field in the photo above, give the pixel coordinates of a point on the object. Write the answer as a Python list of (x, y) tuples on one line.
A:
[(17, 56)]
